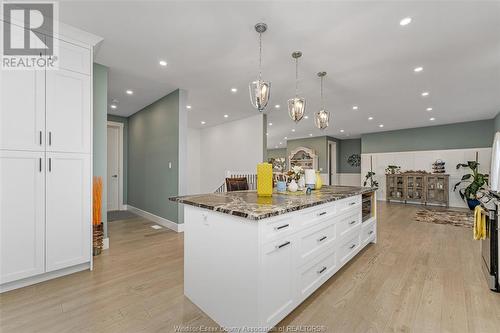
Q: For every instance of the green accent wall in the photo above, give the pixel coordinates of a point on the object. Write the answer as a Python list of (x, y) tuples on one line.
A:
[(276, 153), (473, 134), (497, 122), (99, 149), (153, 143), (124, 121), (347, 148)]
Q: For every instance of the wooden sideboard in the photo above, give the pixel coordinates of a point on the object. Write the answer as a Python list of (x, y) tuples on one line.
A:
[(418, 187)]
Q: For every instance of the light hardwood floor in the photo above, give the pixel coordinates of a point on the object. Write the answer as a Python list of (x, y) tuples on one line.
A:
[(418, 278)]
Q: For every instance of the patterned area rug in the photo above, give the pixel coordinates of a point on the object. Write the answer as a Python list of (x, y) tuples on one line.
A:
[(457, 218)]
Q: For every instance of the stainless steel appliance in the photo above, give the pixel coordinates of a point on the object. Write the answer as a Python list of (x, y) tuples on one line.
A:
[(367, 206), (489, 246)]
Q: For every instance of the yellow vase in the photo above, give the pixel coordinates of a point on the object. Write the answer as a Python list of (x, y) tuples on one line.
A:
[(319, 182), (264, 179)]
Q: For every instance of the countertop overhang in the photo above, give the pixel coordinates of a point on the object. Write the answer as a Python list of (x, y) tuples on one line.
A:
[(248, 205)]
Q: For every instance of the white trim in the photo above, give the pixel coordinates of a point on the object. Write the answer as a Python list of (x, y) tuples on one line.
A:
[(332, 174), (120, 161), (124, 207), (105, 243), (178, 227), (43, 277)]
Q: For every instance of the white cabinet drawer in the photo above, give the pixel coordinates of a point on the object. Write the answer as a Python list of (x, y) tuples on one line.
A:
[(277, 228), (315, 274), (368, 232), (349, 248), (313, 240), (348, 203), (317, 214), (348, 222)]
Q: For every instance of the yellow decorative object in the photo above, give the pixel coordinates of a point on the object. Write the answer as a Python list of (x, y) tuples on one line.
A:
[(264, 179), (479, 223), (319, 182)]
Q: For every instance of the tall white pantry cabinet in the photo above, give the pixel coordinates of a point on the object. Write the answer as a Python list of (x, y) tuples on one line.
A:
[(46, 167)]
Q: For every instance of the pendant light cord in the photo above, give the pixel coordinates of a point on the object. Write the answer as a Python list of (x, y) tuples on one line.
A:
[(322, 101), (296, 77), (260, 57)]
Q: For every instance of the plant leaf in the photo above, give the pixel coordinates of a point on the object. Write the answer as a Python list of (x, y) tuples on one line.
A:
[(467, 176)]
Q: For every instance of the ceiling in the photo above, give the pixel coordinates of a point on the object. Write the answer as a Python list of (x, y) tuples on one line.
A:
[(212, 47)]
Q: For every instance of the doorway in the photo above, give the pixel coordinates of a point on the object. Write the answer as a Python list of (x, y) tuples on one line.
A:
[(332, 163), (115, 166)]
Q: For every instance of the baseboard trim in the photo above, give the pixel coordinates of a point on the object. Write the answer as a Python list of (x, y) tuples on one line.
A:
[(43, 277), (124, 207), (158, 219), (105, 243)]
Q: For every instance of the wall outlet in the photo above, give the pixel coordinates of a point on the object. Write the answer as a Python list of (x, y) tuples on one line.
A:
[(170, 165)]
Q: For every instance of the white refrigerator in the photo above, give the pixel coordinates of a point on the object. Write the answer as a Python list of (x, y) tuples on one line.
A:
[(495, 164)]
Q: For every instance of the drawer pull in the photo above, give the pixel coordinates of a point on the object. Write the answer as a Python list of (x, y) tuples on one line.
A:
[(352, 203), (352, 246), (352, 222), (322, 213), (321, 239), (371, 232), (322, 270), (282, 245), (282, 227)]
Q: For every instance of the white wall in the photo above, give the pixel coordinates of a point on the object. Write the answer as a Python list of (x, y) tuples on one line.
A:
[(193, 161), (232, 146), (422, 160)]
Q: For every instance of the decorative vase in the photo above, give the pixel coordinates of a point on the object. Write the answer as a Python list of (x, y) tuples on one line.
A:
[(281, 186), (293, 187), (310, 178), (319, 182), (302, 182), (264, 180), (472, 203)]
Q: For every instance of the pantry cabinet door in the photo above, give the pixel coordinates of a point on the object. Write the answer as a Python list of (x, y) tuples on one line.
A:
[(22, 110), (68, 210), (68, 113), (22, 216)]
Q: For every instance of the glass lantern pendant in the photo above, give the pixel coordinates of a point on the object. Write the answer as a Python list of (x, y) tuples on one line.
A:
[(260, 90), (322, 117), (296, 105)]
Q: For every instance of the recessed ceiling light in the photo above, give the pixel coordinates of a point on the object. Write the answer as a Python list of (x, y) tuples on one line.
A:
[(163, 63), (341, 131), (370, 118), (113, 106), (310, 134), (234, 90), (277, 106), (432, 119), (267, 133), (188, 106), (293, 129), (270, 124), (281, 143), (418, 69), (381, 125), (285, 138), (129, 92), (203, 123), (425, 94), (355, 107), (226, 116), (306, 117), (275, 146), (429, 109), (405, 21)]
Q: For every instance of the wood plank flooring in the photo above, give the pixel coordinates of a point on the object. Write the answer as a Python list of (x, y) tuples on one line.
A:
[(419, 277)]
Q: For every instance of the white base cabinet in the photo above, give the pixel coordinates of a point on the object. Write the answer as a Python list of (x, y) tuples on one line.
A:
[(246, 273)]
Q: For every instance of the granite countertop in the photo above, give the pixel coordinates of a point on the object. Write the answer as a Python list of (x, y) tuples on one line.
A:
[(248, 205)]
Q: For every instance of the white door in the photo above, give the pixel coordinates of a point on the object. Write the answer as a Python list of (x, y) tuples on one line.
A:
[(22, 110), (22, 202), (68, 210), (68, 112), (113, 173)]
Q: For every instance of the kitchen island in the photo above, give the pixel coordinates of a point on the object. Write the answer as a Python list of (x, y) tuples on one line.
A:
[(249, 260)]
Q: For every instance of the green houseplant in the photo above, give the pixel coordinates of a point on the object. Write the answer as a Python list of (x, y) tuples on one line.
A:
[(474, 181)]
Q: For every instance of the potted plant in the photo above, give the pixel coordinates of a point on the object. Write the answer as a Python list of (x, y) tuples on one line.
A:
[(475, 181), (369, 177)]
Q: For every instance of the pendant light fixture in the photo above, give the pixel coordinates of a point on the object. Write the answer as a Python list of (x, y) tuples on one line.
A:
[(322, 117), (260, 90), (296, 105)]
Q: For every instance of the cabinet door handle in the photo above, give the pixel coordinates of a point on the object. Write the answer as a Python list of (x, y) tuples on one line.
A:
[(322, 213), (352, 222), (321, 239), (352, 203), (40, 164), (50, 164), (322, 270), (352, 246), (283, 245), (50, 138), (282, 227), (371, 232), (40, 137)]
